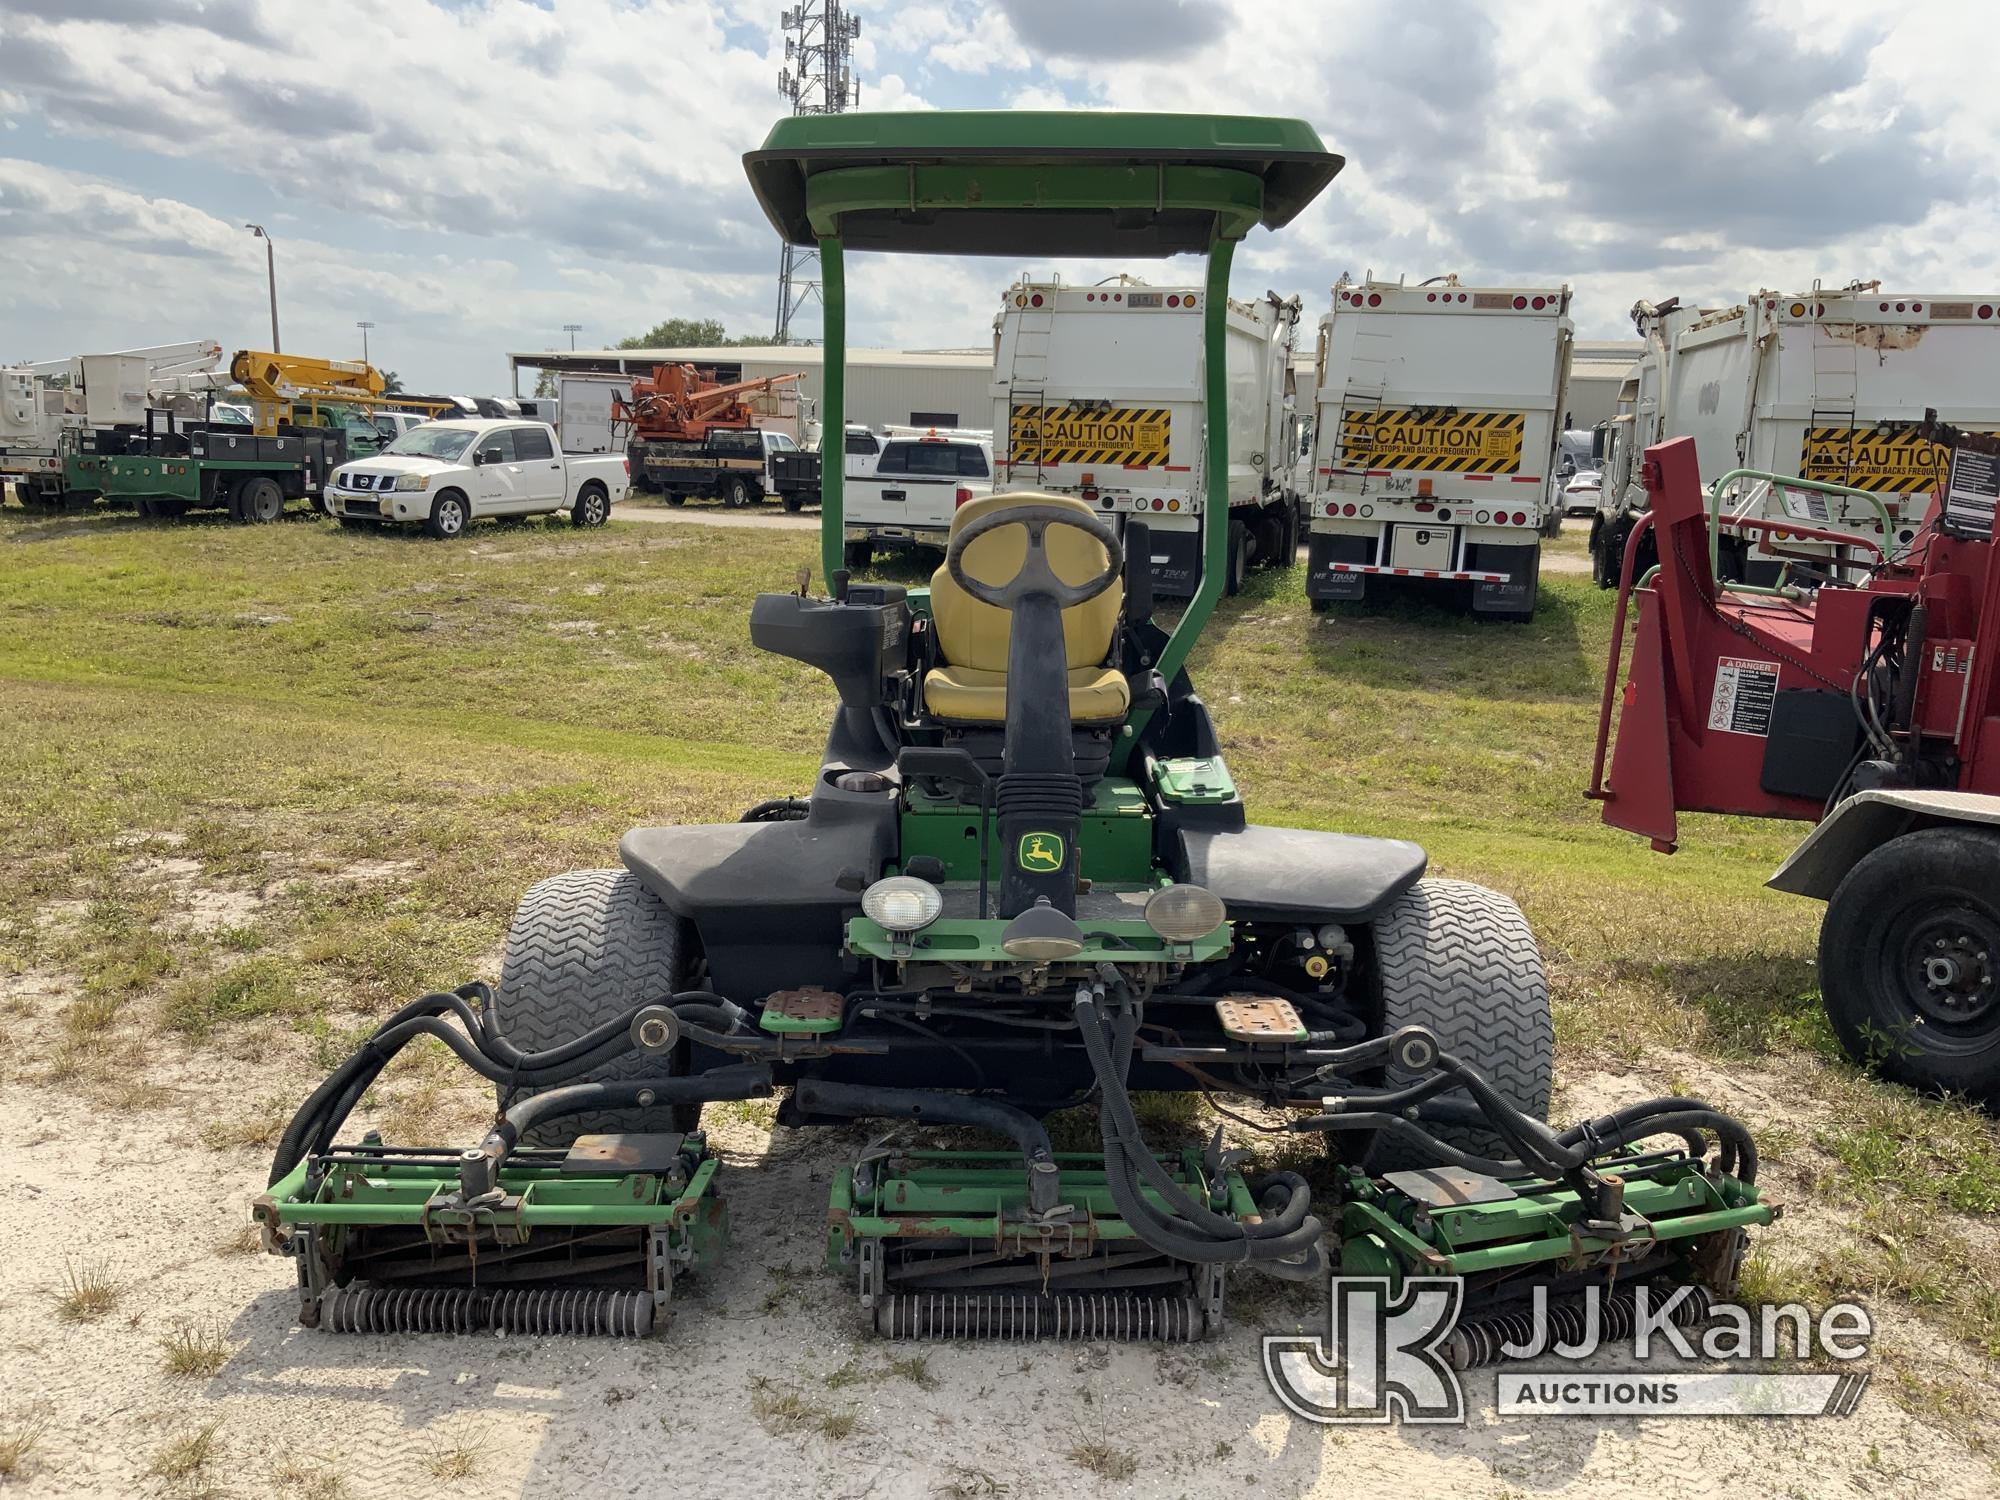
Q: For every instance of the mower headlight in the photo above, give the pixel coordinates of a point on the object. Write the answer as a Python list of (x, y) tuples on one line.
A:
[(1183, 913), (413, 481), (1042, 935), (902, 903)]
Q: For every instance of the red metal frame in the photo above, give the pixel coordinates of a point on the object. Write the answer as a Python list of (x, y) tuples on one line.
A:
[(1679, 746)]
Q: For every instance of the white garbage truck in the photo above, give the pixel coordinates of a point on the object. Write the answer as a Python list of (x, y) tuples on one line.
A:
[(1439, 409), (1098, 393), (1828, 386)]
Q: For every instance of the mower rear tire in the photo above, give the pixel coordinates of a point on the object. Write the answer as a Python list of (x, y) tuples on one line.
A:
[(584, 948), (1909, 961), (1461, 960)]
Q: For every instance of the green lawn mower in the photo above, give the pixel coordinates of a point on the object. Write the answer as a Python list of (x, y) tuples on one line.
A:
[(1023, 881)]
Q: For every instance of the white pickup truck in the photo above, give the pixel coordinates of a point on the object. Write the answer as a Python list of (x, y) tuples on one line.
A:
[(450, 474), (907, 500)]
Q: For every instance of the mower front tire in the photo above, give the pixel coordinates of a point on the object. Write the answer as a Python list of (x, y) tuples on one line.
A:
[(1460, 959), (584, 948)]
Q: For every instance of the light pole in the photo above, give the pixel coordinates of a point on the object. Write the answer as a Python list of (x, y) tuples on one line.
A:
[(572, 329), (364, 327), (270, 270)]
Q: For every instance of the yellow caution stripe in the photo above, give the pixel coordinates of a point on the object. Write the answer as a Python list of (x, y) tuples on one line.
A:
[(1426, 440), (1130, 437), (1894, 461)]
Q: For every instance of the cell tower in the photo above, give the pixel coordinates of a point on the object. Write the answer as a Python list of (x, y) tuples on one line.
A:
[(818, 78)]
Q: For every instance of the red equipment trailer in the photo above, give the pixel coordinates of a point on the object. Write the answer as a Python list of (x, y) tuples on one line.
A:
[(1872, 710)]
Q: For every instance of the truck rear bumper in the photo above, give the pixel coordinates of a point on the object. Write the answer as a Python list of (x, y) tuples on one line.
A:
[(908, 536), (1502, 574)]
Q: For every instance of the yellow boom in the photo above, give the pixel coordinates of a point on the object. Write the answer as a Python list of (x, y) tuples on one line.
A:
[(280, 383)]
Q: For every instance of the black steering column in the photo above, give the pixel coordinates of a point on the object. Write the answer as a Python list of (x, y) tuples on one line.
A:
[(1040, 801)]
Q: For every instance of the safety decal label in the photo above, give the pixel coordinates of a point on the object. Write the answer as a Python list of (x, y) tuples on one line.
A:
[(1885, 461), (1975, 487), (1073, 433), (1744, 692), (1429, 441)]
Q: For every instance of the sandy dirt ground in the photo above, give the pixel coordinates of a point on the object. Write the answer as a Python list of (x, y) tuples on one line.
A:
[(739, 1396)]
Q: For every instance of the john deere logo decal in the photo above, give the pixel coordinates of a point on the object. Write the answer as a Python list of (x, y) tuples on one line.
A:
[(1041, 853)]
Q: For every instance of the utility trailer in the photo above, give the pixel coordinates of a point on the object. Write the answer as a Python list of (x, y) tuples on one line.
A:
[(1439, 410), (1824, 386), (1097, 393)]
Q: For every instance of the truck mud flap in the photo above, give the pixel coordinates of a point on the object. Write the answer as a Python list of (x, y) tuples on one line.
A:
[(1176, 561), (1521, 565), (1323, 549)]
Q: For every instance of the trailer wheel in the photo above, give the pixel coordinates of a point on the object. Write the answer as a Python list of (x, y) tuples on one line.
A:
[(1909, 961), (736, 492), (857, 555), (583, 949), (258, 501), (794, 501), (1460, 959), (448, 516), (1238, 566), (675, 498), (592, 508)]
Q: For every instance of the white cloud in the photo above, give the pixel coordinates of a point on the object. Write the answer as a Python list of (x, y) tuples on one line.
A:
[(473, 176)]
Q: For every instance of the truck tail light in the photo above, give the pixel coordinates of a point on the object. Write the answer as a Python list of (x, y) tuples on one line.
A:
[(628, 466), (964, 496), (1519, 303)]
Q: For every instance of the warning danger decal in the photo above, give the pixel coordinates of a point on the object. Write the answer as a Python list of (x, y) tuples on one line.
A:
[(1432, 442), (1744, 692), (1121, 436), (1884, 461)]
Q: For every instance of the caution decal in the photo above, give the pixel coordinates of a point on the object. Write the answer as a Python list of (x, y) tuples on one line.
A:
[(1117, 436), (1428, 441), (1885, 461)]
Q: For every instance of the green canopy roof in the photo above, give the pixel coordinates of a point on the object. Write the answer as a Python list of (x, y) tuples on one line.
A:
[(1035, 182)]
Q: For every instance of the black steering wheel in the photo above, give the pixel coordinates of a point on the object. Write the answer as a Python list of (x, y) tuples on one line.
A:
[(1035, 576)]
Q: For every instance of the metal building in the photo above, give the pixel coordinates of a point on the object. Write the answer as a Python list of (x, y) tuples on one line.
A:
[(1596, 369), (915, 387)]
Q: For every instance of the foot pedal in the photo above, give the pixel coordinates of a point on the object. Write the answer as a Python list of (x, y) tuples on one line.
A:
[(805, 1012), (1259, 1019)]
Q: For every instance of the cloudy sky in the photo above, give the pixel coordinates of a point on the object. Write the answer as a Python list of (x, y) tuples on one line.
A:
[(470, 175)]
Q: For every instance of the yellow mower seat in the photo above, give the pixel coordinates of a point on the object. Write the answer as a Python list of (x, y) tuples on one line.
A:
[(972, 636)]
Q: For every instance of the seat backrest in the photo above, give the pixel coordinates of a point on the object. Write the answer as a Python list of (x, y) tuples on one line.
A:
[(974, 634)]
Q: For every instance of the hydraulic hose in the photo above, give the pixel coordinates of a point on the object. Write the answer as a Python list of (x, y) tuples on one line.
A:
[(818, 1096), (1118, 1106), (480, 1047), (479, 1168), (1539, 1149), (1286, 1245)]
